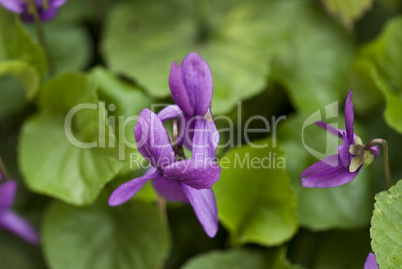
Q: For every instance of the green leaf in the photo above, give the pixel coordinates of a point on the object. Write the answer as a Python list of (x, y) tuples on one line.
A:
[(367, 94), (347, 11), (346, 206), (25, 73), (69, 163), (12, 96), (313, 76), (143, 47), (241, 258), (19, 84), (99, 236), (385, 57), (69, 45), (386, 227), (16, 44), (256, 202), (240, 41)]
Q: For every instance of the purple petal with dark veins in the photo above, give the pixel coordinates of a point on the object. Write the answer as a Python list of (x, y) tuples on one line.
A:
[(371, 262), (153, 141), (198, 174), (7, 194), (14, 223), (205, 140), (204, 205), (327, 173), (180, 95), (170, 189), (191, 85), (127, 190), (15, 6), (349, 117)]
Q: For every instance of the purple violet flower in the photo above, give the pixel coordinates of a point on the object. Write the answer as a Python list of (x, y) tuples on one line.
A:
[(371, 262), (188, 180), (47, 9), (10, 220), (173, 176), (341, 168)]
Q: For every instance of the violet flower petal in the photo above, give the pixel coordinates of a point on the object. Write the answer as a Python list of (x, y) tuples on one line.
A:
[(170, 189), (173, 111), (48, 14), (197, 174), (187, 124), (343, 152), (327, 173), (331, 129), (170, 112), (204, 205), (349, 117), (57, 3), (14, 223), (197, 77), (371, 262), (180, 95), (7, 194), (375, 150), (15, 6), (191, 85), (205, 140), (153, 140), (127, 190)]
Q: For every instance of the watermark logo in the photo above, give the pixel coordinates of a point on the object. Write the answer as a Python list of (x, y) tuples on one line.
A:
[(116, 132), (331, 112)]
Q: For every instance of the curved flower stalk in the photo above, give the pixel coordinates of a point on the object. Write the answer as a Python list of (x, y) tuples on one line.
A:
[(10, 220), (47, 9), (341, 168), (371, 262), (173, 176)]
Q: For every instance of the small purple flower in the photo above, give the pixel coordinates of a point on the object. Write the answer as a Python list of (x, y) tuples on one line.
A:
[(341, 168), (173, 176), (188, 180), (11, 221), (371, 262), (47, 9)]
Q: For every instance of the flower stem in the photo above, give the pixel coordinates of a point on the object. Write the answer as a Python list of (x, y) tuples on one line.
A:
[(175, 134), (179, 152), (41, 35), (4, 170), (385, 156)]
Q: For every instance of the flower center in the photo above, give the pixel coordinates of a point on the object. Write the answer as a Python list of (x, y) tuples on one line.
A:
[(361, 155)]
